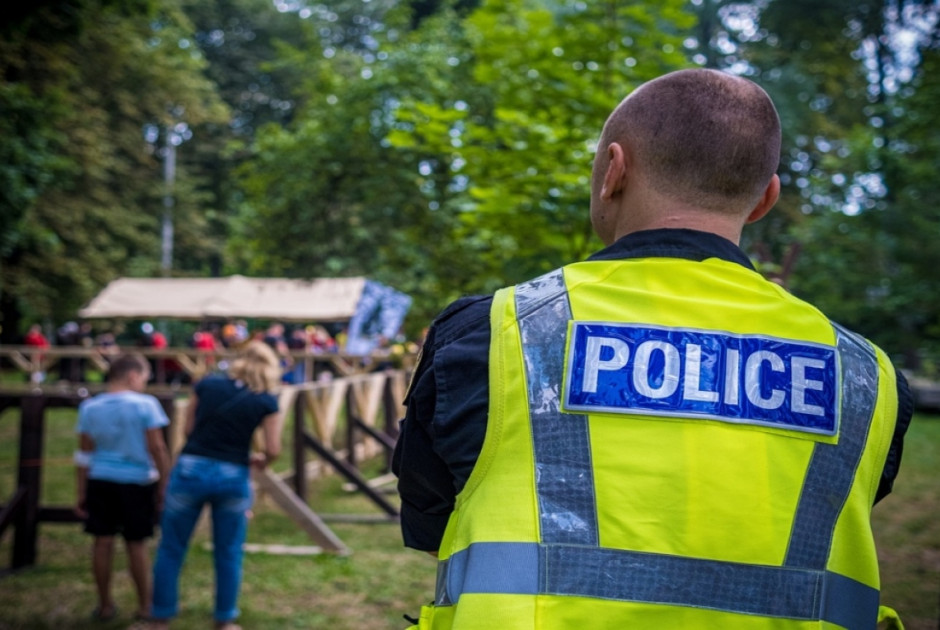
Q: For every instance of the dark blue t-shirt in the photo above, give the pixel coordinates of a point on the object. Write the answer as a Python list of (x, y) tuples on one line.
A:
[(226, 418)]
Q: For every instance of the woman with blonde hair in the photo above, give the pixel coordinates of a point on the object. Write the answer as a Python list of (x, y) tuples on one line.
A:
[(213, 468)]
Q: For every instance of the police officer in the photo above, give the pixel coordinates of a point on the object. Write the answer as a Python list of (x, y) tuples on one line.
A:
[(657, 437)]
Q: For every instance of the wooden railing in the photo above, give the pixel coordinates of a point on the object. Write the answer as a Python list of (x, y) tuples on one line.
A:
[(47, 365), (926, 393), (23, 510), (341, 423)]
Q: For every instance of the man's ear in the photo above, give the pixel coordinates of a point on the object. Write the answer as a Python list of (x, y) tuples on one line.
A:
[(615, 175), (767, 200)]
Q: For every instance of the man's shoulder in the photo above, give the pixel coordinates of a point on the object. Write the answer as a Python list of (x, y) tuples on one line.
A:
[(466, 306), (465, 322), (462, 316)]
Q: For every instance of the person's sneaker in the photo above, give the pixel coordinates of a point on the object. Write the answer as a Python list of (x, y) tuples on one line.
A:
[(104, 614)]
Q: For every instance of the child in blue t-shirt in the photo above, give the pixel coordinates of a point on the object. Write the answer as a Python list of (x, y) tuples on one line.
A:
[(122, 466)]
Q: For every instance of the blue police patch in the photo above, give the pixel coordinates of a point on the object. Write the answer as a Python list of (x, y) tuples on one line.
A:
[(749, 379)]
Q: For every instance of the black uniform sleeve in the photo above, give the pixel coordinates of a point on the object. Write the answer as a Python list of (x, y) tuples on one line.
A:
[(893, 461), (445, 421)]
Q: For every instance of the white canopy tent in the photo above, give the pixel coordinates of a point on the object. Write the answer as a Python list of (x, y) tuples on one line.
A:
[(371, 309), (282, 299)]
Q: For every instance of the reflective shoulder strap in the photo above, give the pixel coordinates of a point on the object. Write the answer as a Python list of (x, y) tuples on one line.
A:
[(832, 467), (564, 473)]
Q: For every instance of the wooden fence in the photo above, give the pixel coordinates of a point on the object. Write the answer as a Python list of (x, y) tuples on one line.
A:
[(23, 510), (173, 365), (340, 422)]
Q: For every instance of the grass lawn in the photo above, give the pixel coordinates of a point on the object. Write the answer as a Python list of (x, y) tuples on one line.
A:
[(907, 530), (370, 589), (381, 580)]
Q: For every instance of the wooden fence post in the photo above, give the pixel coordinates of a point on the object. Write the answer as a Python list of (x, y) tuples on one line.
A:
[(352, 415), (32, 409), (300, 460)]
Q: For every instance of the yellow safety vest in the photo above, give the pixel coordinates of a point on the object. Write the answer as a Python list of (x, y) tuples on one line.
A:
[(670, 444)]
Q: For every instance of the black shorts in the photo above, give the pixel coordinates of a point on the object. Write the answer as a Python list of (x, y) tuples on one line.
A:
[(120, 508)]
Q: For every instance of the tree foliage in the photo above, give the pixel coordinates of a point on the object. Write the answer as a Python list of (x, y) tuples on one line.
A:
[(84, 192), (444, 146), (241, 42), (352, 202), (516, 141), (850, 80)]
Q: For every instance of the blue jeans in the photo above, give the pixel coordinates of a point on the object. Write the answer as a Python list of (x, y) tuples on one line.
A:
[(226, 488)]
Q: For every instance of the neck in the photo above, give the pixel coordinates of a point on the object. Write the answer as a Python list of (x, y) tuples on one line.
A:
[(663, 213), (727, 230)]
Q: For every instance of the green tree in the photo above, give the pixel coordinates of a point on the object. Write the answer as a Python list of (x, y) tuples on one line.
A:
[(453, 158), (240, 41), (881, 261), (79, 86), (350, 203), (517, 141), (850, 81)]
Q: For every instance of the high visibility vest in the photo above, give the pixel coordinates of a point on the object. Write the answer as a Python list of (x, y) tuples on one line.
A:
[(670, 444)]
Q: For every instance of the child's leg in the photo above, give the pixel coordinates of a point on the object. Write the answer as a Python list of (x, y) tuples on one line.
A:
[(101, 502), (101, 559), (138, 562), (139, 505)]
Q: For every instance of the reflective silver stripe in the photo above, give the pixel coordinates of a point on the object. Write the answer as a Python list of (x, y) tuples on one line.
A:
[(508, 568), (563, 471), (831, 471), (768, 591), (441, 593)]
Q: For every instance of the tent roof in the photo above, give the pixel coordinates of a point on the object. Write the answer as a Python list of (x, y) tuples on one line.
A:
[(318, 300)]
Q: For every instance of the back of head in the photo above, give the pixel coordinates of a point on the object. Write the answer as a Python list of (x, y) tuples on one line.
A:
[(257, 366), (706, 138), (125, 364)]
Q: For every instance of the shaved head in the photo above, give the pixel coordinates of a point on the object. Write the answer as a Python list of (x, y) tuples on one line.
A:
[(706, 138)]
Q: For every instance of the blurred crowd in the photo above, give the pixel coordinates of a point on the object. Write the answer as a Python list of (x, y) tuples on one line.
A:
[(291, 342)]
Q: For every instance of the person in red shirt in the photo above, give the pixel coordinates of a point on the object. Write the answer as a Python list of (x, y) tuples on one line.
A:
[(159, 340), (36, 339), (205, 341)]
